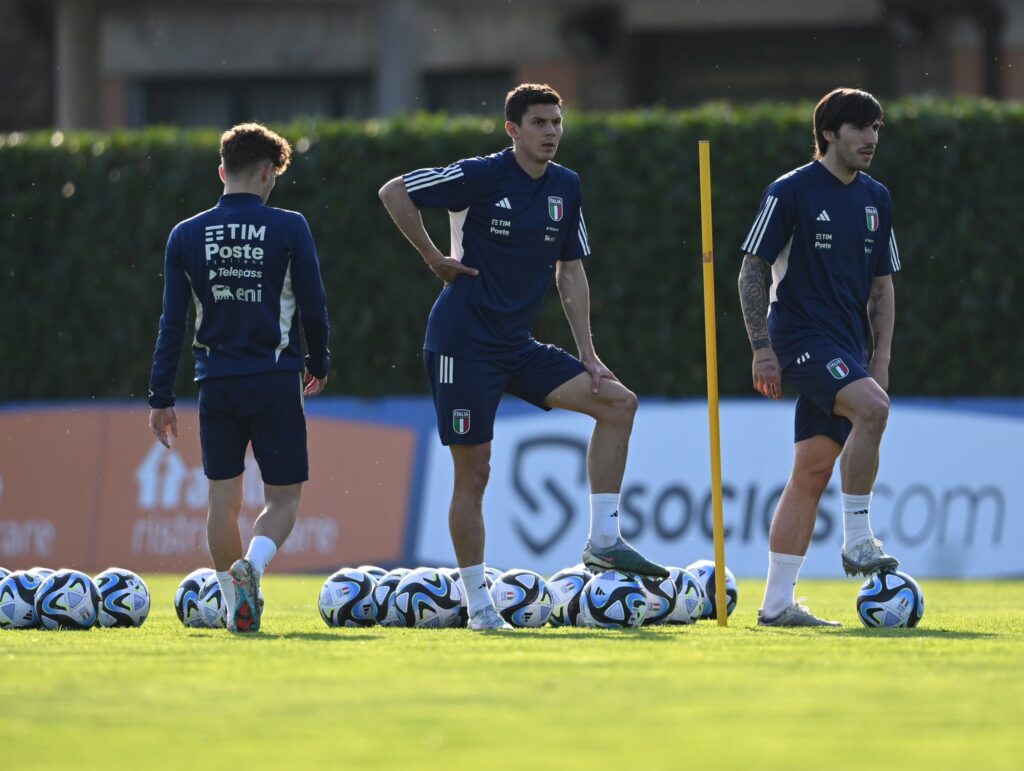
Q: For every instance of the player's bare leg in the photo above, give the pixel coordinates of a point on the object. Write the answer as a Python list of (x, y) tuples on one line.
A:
[(466, 524), (791, 531), (613, 409), (270, 531), (866, 405), (225, 500)]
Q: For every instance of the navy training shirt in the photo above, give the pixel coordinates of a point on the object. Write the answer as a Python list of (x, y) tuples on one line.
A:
[(826, 242), (247, 268), (513, 229)]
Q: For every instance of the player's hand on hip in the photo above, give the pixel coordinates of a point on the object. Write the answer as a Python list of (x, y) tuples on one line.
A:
[(448, 268), (314, 385), (767, 373), (597, 371), (160, 420)]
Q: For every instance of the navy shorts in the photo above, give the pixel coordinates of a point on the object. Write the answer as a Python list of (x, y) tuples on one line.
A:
[(821, 371), (467, 391), (266, 410)]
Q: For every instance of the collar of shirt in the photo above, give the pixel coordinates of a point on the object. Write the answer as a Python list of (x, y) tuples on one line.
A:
[(240, 199)]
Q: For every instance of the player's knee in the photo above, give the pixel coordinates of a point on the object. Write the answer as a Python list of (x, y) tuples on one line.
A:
[(472, 475), (813, 479), (874, 414), (622, 407)]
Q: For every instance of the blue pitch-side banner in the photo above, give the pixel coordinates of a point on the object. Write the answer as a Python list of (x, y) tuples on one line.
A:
[(948, 499)]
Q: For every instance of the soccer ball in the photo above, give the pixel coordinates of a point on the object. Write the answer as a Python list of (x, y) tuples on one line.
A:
[(566, 586), (522, 598), (384, 591), (661, 596), (18, 600), (124, 598), (426, 597), (43, 573), (612, 600), (346, 599), (4, 572), (211, 609), (493, 573), (890, 599), (690, 598), (375, 572), (68, 600), (704, 570), (186, 597)]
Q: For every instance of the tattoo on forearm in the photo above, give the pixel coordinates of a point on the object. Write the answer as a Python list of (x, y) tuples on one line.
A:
[(753, 286)]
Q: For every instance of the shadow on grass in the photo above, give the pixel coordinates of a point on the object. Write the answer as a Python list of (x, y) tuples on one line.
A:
[(899, 634), (579, 633)]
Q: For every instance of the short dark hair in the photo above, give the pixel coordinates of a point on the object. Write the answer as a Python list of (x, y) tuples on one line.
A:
[(519, 99), (246, 144), (843, 105)]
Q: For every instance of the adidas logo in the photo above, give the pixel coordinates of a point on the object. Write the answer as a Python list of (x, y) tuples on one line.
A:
[(823, 217), (503, 204), (803, 357)]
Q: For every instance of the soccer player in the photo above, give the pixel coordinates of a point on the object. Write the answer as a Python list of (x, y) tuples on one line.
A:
[(824, 238), (516, 220), (248, 268)]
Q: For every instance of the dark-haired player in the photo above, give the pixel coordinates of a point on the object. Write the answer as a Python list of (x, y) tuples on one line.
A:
[(823, 238), (516, 221), (248, 269)]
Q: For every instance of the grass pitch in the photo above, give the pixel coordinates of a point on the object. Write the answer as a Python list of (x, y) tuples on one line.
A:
[(947, 695)]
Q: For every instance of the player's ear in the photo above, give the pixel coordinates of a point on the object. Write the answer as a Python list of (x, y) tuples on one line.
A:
[(830, 136), (222, 173), (512, 129)]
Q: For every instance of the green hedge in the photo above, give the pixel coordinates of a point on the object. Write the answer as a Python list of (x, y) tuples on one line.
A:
[(86, 216)]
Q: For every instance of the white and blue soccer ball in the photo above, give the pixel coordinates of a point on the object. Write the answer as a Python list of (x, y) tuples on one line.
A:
[(18, 600), (612, 600), (890, 599), (4, 572), (690, 597), (186, 596), (42, 572), (426, 597), (704, 570), (661, 598), (566, 587), (384, 591), (68, 599), (522, 598), (346, 599), (211, 608), (376, 572), (124, 598)]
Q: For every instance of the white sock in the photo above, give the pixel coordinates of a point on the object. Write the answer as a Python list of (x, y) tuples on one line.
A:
[(780, 591), (227, 590), (261, 551), (474, 588), (856, 519), (604, 519)]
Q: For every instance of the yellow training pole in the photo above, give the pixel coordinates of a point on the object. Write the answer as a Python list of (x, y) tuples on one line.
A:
[(711, 349)]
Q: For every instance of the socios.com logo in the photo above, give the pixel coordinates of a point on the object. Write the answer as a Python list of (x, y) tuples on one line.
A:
[(549, 477)]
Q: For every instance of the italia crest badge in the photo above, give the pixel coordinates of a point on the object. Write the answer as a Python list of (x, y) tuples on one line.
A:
[(460, 421), (555, 208), (837, 367), (872, 216)]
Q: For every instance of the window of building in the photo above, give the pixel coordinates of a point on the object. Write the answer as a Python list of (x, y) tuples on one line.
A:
[(467, 93), (224, 102)]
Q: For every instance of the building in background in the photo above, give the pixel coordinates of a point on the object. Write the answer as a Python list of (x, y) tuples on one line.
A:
[(110, 63)]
